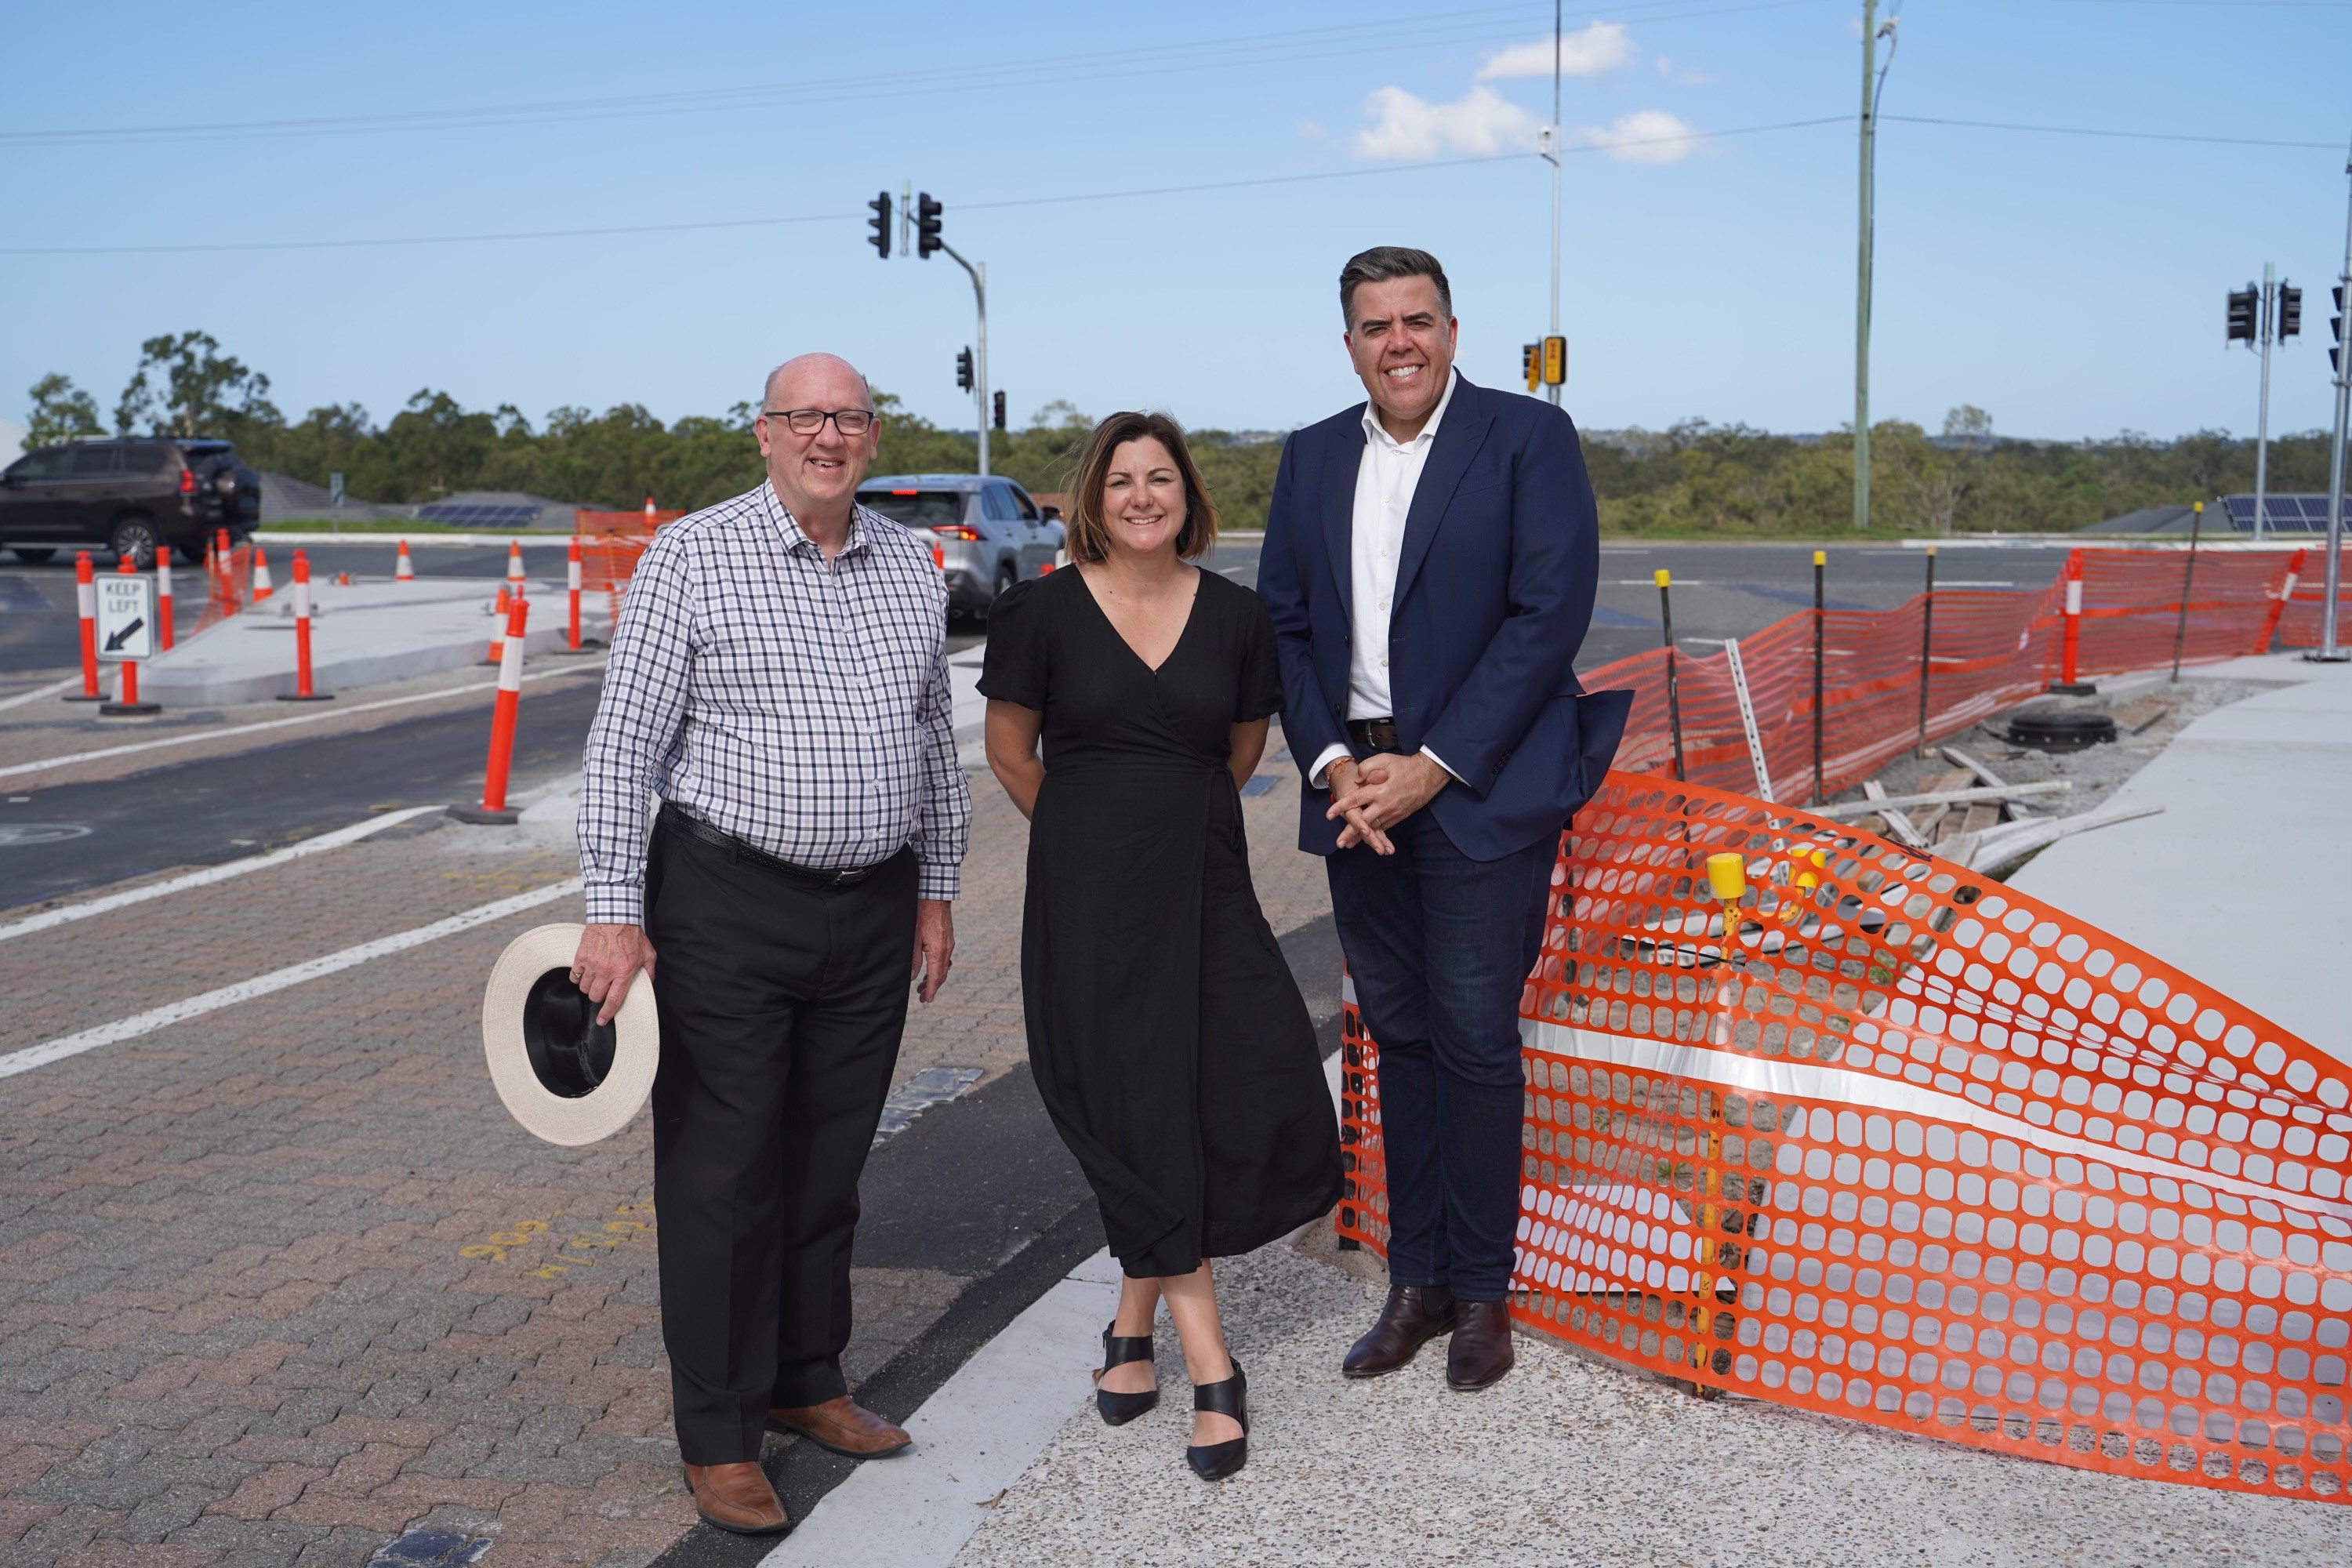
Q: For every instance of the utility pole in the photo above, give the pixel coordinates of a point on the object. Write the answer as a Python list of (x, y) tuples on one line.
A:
[(2328, 651), (1552, 151), (1862, 278)]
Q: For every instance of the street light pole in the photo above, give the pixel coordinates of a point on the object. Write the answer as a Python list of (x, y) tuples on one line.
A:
[(2327, 650), (1861, 278), (2263, 321), (980, 354)]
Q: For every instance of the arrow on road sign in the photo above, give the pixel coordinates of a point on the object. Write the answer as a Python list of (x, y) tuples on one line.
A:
[(115, 640)]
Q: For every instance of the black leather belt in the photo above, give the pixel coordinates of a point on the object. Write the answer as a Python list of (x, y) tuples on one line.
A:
[(1374, 734), (693, 827)]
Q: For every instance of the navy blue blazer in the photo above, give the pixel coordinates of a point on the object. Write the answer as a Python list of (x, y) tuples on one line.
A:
[(1494, 591)]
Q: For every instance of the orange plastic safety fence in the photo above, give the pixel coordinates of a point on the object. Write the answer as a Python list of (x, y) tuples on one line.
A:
[(610, 544), (228, 588), (1985, 651), (1925, 1151), (2299, 625)]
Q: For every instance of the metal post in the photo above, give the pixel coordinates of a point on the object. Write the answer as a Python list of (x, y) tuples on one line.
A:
[(1927, 642), (1821, 562), (906, 220), (2327, 650), (1862, 281), (980, 354), (2188, 580), (1553, 152), (2263, 420), (1673, 697)]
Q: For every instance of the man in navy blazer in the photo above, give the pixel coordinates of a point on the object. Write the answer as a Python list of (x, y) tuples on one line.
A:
[(1430, 562)]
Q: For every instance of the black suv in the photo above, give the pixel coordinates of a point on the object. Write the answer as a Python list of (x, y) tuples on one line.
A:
[(127, 496)]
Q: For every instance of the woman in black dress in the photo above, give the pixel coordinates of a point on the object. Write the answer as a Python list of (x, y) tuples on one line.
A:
[(1169, 1043)]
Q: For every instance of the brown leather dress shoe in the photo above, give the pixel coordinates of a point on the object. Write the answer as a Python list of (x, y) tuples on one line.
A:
[(1414, 1316), (738, 1498), (1482, 1349), (843, 1425)]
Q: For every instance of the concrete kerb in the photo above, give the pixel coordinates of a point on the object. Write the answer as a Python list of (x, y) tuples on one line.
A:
[(362, 635)]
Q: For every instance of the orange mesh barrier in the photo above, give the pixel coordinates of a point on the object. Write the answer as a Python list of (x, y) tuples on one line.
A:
[(1925, 1152), (1989, 651), (610, 544), (2299, 625), (228, 588)]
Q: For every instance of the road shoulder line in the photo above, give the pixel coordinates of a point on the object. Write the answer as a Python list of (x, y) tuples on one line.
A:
[(317, 845)]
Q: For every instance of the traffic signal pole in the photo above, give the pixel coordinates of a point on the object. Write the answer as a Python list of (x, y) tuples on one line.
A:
[(980, 351), (2264, 323), (2327, 650), (1862, 270), (1552, 151)]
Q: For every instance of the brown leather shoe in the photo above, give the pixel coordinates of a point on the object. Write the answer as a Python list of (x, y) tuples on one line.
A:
[(843, 1425), (1482, 1349), (1414, 1316), (738, 1498)]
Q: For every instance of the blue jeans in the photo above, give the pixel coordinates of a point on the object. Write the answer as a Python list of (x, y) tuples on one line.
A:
[(1440, 946)]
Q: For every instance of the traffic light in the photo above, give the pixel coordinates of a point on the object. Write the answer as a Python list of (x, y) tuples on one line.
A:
[(1555, 362), (2335, 331), (927, 225), (1000, 411), (880, 223), (2290, 312), (2245, 307), (964, 369), (1531, 364)]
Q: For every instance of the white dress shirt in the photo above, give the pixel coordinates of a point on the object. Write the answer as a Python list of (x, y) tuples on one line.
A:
[(1386, 477)]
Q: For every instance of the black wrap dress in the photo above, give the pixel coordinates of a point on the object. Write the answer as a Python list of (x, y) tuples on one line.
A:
[(1169, 1041)]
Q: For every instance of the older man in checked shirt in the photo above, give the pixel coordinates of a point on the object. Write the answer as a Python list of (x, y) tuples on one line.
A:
[(778, 680)]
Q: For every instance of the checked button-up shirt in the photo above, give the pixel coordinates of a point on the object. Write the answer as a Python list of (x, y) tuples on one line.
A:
[(800, 705)]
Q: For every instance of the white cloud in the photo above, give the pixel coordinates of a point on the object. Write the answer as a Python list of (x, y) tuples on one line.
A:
[(1310, 130), (1406, 127), (1644, 136), (1596, 51)]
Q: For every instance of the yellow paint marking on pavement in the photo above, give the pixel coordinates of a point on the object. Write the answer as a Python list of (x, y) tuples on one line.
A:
[(201, 736), (155, 1018), (211, 874)]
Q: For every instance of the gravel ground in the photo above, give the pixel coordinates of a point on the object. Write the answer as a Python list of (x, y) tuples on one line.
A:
[(1567, 1461), (2096, 774)]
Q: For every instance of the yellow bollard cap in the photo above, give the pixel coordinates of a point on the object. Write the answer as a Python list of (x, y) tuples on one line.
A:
[(1663, 576), (1726, 873), (1820, 557)]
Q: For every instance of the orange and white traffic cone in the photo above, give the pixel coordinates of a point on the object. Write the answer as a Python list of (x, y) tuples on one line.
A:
[(572, 587), (498, 626), (86, 602), (262, 587), (494, 808), (163, 627), (302, 688), (649, 511), (514, 560), (2070, 633), (401, 572), (225, 574), (126, 703)]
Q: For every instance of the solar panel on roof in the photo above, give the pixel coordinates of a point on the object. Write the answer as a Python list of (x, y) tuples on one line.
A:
[(469, 514)]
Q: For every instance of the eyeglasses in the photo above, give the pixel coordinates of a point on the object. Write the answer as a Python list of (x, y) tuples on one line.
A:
[(809, 421)]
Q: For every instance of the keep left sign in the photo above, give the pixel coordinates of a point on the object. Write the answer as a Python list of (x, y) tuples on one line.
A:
[(126, 618)]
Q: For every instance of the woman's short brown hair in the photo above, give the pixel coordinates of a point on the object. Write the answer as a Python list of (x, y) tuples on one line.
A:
[(1087, 537)]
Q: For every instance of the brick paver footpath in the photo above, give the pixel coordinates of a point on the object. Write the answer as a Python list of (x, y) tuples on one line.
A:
[(282, 1282)]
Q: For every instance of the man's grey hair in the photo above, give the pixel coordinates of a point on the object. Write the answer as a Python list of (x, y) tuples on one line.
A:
[(1383, 263)]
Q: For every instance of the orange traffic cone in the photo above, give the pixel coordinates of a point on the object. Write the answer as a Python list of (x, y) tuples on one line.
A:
[(401, 572), (261, 584), (498, 626), (514, 560)]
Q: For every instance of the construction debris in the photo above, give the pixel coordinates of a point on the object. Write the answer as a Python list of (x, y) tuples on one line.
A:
[(1880, 800)]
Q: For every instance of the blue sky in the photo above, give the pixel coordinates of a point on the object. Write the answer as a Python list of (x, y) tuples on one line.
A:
[(2070, 285)]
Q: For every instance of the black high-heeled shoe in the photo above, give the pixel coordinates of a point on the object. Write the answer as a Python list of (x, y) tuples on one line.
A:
[(1215, 1461), (1118, 1409)]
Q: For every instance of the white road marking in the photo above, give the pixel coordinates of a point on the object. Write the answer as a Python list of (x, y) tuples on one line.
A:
[(34, 695), (156, 1018), (211, 874), (310, 718)]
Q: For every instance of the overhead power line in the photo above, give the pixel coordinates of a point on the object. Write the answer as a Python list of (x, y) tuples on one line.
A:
[(622, 229), (2125, 135), (1290, 47)]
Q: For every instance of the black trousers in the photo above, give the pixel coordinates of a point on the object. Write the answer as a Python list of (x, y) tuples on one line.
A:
[(782, 1007)]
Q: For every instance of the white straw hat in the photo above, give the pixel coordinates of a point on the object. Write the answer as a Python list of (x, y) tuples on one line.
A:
[(565, 1078)]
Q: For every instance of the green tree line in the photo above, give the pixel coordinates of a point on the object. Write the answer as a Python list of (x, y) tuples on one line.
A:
[(1694, 478)]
